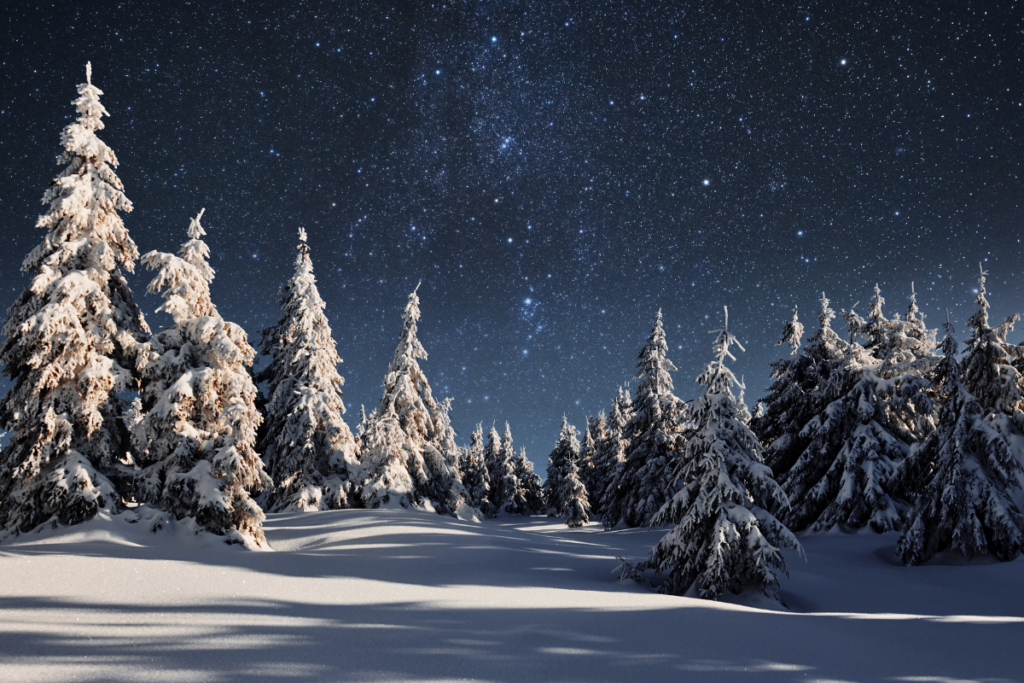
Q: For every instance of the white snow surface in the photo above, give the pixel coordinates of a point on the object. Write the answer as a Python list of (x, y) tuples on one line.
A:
[(398, 595)]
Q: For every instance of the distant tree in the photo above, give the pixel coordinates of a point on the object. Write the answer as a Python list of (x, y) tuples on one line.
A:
[(309, 449), (990, 367), (724, 538), (492, 458), (407, 458), (642, 484), (195, 443), (803, 384), (592, 474), (533, 491), (611, 451), (574, 493), (475, 478), (75, 340), (511, 493), (566, 449), (964, 476)]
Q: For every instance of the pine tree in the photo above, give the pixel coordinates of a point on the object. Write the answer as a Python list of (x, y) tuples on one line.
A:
[(533, 491), (574, 493), (75, 339), (641, 483), (803, 385), (611, 451), (408, 457), (475, 478), (309, 449), (566, 449), (907, 362), (511, 497), (196, 440), (963, 478), (725, 538)]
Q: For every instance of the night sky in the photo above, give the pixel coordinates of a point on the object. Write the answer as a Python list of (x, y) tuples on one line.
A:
[(553, 172)]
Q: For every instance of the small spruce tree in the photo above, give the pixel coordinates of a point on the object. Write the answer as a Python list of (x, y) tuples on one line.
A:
[(474, 473)]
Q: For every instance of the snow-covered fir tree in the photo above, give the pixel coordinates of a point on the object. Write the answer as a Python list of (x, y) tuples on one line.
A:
[(591, 473), (963, 478), (533, 490), (642, 484), (309, 450), (611, 451), (574, 493), (724, 537), (492, 459), (802, 386), (851, 450), (989, 370), (74, 341), (195, 444), (907, 361), (566, 449), (475, 478), (510, 496), (407, 458)]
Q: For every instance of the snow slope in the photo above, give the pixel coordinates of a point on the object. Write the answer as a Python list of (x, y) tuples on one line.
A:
[(392, 595)]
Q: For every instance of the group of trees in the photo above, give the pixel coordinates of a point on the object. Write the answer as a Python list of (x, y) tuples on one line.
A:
[(190, 443), (881, 429)]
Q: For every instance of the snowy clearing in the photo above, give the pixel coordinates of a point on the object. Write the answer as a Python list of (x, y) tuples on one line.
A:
[(392, 595)]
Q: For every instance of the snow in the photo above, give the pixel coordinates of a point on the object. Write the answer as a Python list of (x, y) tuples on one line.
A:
[(399, 595)]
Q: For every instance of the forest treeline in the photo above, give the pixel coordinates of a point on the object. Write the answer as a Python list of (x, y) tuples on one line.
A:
[(882, 427)]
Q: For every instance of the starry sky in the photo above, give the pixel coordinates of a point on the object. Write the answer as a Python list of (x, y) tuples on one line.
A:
[(553, 172)]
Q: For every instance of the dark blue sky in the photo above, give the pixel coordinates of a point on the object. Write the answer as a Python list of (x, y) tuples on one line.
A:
[(554, 172)]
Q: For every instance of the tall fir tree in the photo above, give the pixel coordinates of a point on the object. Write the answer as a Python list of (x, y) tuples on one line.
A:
[(309, 450), (74, 341), (195, 444), (963, 478), (566, 449), (407, 458), (724, 537), (533, 490), (642, 483)]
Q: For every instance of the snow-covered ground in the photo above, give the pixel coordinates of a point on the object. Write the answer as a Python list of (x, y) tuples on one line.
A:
[(392, 595)]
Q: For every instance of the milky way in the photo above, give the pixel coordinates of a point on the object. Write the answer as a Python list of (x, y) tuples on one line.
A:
[(553, 172)]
